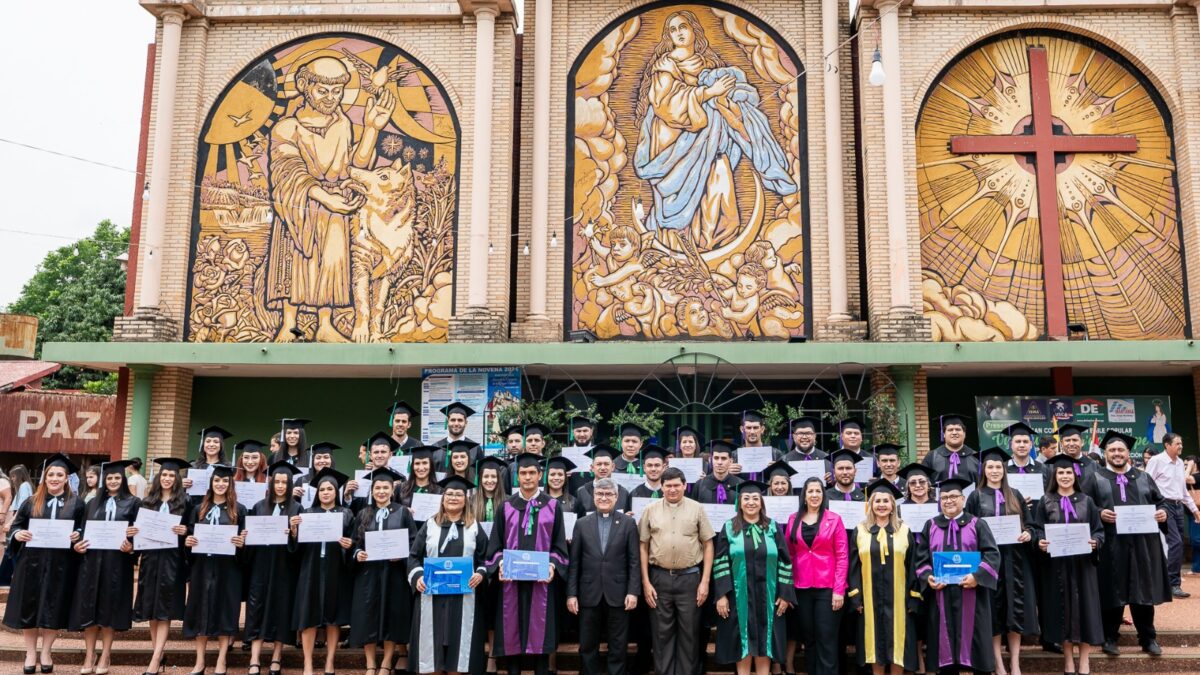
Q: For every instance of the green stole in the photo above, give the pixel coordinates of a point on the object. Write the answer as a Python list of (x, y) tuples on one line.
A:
[(737, 555)]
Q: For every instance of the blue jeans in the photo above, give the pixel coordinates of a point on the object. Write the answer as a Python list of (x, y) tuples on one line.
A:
[(1194, 536)]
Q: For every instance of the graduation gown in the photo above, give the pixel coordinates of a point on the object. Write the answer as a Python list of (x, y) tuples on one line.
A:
[(382, 607), (214, 602), (709, 490), (643, 491), (585, 503), (162, 579), (1033, 466), (1072, 593), (797, 455), (526, 620), (883, 585), (43, 582), (448, 631), (753, 569), (855, 495), (622, 465), (272, 582), (959, 618), (104, 587), (1133, 570), (1014, 602), (941, 460), (324, 581)]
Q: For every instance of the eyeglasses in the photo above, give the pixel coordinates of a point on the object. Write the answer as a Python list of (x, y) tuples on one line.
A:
[(918, 481), (610, 495), (950, 498)]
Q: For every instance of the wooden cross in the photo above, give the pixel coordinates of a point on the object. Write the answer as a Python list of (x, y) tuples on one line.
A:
[(1046, 146)]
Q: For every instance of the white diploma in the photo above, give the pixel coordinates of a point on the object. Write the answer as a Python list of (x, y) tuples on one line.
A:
[(805, 469), (400, 464), (104, 535), (200, 479), (50, 533), (319, 527), (639, 505), (719, 514), (309, 496), (424, 506), (583, 463), (755, 459), (1030, 485), (364, 483), (156, 526), (250, 493), (629, 481), (1136, 519), (387, 544), (1067, 539), (266, 530), (568, 523), (1005, 529), (916, 515), (692, 467), (781, 508), (214, 539), (142, 544), (864, 470), (852, 513)]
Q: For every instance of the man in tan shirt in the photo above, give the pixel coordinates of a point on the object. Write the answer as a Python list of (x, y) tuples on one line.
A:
[(677, 557)]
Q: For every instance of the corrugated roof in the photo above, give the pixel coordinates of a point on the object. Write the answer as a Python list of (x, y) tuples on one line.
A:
[(14, 374)]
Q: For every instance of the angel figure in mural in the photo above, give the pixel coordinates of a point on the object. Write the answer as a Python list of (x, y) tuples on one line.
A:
[(312, 152), (699, 118)]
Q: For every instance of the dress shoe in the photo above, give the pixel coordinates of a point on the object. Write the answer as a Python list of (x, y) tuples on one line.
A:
[(1052, 647), (1111, 649), (1152, 648), (1178, 592)]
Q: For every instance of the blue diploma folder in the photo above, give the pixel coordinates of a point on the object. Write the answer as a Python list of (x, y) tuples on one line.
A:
[(951, 567), (526, 565), (448, 576)]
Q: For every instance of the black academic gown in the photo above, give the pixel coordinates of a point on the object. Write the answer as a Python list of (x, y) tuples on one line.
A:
[(325, 581), (939, 459), (1086, 472), (753, 569), (272, 582), (104, 588), (708, 489), (622, 465), (855, 495), (645, 492), (527, 620), (883, 586), (448, 631), (585, 503), (214, 602), (162, 578), (382, 608), (1014, 602), (441, 458), (43, 582), (959, 617), (1133, 570), (1072, 593)]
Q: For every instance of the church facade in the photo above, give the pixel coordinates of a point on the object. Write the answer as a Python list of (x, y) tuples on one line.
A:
[(921, 202)]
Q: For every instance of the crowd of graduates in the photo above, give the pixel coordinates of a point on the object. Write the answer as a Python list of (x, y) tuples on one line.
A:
[(843, 567)]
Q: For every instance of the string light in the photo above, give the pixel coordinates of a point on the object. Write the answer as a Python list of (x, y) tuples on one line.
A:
[(877, 77)]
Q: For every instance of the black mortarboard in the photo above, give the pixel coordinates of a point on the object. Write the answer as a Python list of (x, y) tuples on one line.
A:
[(536, 428), (221, 470), (423, 451), (560, 462), (685, 430), (578, 421), (1114, 435), (751, 416), (117, 466), (887, 449), (282, 466), (518, 429), (1071, 429), (849, 423), (952, 418), (59, 459), (1064, 459), (492, 462), (455, 482), (380, 437), (994, 453), (249, 445), (461, 445), (779, 467), (329, 473), (458, 407), (751, 486), (719, 445), (631, 429), (651, 451), (323, 448), (601, 450), (847, 455), (882, 484), (1019, 429), (294, 422), (171, 464), (526, 459), (215, 431), (800, 423), (916, 467), (953, 484), (400, 407), (383, 473)]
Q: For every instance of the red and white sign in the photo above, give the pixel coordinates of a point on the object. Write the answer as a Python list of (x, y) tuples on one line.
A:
[(44, 422)]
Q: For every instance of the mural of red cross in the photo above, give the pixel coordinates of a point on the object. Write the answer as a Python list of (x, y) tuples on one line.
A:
[(1045, 144)]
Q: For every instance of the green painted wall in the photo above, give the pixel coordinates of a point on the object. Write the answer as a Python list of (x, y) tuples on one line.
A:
[(344, 411)]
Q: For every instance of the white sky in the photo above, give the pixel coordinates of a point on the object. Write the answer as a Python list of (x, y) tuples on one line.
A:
[(74, 84)]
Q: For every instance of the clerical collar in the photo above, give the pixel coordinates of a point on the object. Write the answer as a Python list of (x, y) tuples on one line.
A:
[(605, 515)]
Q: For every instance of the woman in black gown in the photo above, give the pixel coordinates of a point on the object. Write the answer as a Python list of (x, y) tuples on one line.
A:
[(382, 609), (214, 599), (39, 600), (212, 453), (325, 582), (272, 578), (162, 573), (103, 598), (1072, 591)]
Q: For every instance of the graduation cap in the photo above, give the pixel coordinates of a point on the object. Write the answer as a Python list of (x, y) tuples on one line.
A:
[(490, 461), (779, 468), (423, 452), (329, 473), (293, 423), (323, 448), (1071, 429), (221, 470), (249, 445), (685, 430), (171, 464), (385, 474), (718, 445), (460, 445), (601, 450), (580, 421), (948, 419), (1019, 429), (400, 407), (1063, 460), (916, 468), (60, 460), (844, 455), (801, 422), (1114, 435), (652, 451), (117, 467), (850, 423), (560, 462), (887, 449), (998, 454), (884, 485), (282, 466), (955, 483), (751, 487), (518, 429), (631, 429), (381, 438), (751, 416), (215, 431), (453, 482), (537, 429), (527, 459), (457, 407)]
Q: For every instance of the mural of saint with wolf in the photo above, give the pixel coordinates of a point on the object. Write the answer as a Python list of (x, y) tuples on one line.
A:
[(699, 232), (328, 200)]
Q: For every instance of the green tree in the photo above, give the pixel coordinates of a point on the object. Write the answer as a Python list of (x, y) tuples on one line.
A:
[(76, 293)]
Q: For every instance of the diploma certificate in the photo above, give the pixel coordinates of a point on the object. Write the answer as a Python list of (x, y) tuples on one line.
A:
[(1030, 485), (424, 506), (916, 515), (316, 528), (568, 524), (1136, 519), (852, 513), (1005, 529), (692, 467), (156, 526), (864, 470), (448, 576), (952, 567), (104, 535), (250, 493), (805, 469), (526, 565), (583, 463), (719, 514), (49, 533), (214, 539), (755, 459), (781, 508), (266, 530), (639, 505), (1067, 539), (200, 479), (386, 544)]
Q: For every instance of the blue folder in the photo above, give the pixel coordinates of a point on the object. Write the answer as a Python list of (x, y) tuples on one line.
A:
[(951, 567), (526, 565), (448, 576)]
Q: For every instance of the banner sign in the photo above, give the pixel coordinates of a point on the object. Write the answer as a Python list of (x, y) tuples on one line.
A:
[(1146, 418), (486, 390)]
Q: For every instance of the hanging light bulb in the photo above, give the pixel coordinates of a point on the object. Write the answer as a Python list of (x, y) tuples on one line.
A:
[(877, 75), (146, 192), (525, 250), (553, 240)]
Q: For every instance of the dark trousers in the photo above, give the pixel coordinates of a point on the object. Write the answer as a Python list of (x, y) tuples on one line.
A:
[(819, 630), (676, 621), (1193, 531), (642, 661), (603, 623), (1176, 531), (540, 664), (1143, 621)]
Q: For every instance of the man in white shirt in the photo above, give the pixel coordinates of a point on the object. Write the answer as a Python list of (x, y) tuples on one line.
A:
[(133, 474), (1170, 475)]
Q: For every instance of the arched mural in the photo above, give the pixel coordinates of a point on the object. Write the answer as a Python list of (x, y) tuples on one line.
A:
[(1057, 111), (686, 195), (327, 200)]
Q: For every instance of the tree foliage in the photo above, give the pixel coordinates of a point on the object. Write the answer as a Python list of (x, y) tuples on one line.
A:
[(76, 293)]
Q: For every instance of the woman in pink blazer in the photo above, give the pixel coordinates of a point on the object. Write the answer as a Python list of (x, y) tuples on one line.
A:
[(816, 539)]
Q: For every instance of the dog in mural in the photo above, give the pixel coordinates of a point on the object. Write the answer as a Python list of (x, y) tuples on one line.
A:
[(382, 241)]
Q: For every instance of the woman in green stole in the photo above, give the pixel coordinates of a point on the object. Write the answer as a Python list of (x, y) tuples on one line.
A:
[(752, 584)]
